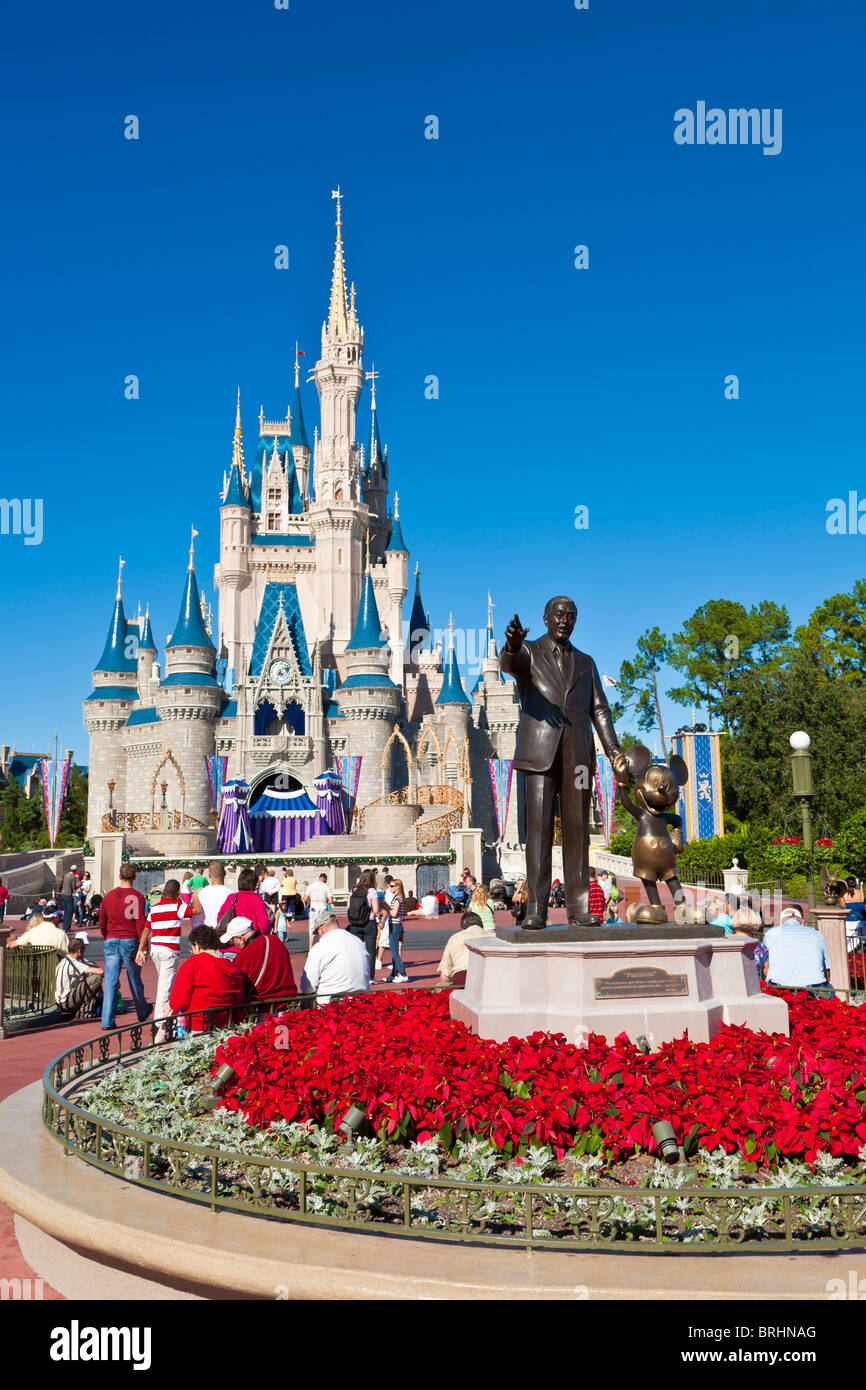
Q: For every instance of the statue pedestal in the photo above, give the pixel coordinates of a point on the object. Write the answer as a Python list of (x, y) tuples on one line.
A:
[(661, 988)]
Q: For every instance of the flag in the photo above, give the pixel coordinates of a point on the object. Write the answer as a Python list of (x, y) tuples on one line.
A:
[(500, 781), (349, 767), (217, 767), (53, 792), (608, 680), (605, 787)]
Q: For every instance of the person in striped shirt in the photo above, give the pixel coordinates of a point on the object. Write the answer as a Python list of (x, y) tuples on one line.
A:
[(165, 919)]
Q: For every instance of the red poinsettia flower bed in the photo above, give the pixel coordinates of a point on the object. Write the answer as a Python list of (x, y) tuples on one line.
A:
[(418, 1074)]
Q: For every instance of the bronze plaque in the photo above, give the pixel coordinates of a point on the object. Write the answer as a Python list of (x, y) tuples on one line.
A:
[(640, 981)]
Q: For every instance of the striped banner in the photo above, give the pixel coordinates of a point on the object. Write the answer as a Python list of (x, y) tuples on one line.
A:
[(500, 781), (700, 801), (349, 767), (53, 795), (605, 786), (217, 767)]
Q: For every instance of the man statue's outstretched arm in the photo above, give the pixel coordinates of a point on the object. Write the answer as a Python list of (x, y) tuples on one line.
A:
[(514, 658)]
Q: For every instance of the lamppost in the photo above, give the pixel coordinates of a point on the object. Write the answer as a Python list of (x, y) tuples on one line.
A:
[(111, 785), (804, 791)]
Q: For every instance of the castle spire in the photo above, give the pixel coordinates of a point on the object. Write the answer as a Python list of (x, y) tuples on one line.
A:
[(191, 565), (338, 312)]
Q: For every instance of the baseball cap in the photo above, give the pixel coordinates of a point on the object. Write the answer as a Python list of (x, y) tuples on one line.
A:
[(323, 918), (790, 912), (238, 927)]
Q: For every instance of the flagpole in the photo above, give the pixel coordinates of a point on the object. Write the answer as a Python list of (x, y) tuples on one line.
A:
[(53, 789)]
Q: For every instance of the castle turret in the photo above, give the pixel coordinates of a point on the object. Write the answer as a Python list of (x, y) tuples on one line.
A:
[(232, 574), (188, 701), (338, 519), (300, 442), (368, 698), (106, 711), (374, 475), (396, 561), (146, 658)]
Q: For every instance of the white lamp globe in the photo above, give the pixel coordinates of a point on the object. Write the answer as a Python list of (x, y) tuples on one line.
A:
[(800, 741)]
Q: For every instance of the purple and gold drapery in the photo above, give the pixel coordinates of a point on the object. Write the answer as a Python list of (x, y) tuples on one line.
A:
[(500, 781), (605, 786), (281, 820), (54, 779), (217, 766), (330, 802), (234, 832)]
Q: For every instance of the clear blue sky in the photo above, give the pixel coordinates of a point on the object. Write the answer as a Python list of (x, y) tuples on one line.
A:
[(558, 387)]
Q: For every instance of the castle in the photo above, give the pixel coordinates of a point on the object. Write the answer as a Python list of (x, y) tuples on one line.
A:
[(310, 657)]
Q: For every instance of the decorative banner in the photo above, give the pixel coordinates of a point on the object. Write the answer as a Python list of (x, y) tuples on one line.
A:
[(329, 800), (234, 832), (349, 767), (605, 786), (55, 775), (500, 781), (217, 767), (700, 802)]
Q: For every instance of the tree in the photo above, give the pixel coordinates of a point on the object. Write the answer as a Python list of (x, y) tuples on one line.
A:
[(767, 707), (23, 820), (638, 683), (836, 635), (72, 829), (718, 644)]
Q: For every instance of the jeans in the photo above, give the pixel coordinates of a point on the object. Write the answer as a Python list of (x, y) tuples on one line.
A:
[(67, 902), (368, 934), (394, 946), (121, 954)]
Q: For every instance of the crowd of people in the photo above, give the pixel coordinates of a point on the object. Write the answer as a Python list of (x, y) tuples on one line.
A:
[(239, 936)]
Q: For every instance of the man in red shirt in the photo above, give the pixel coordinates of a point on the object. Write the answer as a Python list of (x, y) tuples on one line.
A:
[(596, 897), (123, 925), (263, 961), (206, 981), (4, 898)]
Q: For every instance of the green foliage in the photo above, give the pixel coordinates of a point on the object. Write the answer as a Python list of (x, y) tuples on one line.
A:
[(638, 682), (718, 644), (73, 815), (835, 636), (849, 845), (23, 821), (622, 841)]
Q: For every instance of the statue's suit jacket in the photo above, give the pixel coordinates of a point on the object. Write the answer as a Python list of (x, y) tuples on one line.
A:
[(559, 705)]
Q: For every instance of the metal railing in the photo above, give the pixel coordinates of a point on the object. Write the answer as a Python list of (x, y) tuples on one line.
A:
[(29, 983), (531, 1216)]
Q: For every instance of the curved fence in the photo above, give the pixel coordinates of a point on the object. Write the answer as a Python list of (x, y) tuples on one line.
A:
[(527, 1214)]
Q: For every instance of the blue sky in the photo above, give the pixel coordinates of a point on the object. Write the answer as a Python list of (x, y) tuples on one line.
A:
[(558, 387)]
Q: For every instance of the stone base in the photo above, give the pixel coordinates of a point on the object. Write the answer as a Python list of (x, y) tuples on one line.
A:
[(592, 935), (660, 989)]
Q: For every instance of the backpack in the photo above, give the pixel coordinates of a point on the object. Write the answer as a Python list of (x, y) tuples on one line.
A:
[(227, 916), (359, 909)]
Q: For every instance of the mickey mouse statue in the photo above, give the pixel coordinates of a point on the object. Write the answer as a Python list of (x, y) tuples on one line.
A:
[(654, 852)]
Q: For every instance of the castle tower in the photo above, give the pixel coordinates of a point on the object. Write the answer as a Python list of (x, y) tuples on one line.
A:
[(232, 575), (421, 661), (452, 710), (300, 442), (374, 476), (188, 702), (368, 698), (338, 519), (146, 659), (106, 711), (396, 562)]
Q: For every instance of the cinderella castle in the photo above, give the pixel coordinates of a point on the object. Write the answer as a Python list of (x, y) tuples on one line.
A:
[(310, 664)]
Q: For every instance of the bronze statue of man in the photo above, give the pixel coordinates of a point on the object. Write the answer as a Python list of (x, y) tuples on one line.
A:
[(561, 698)]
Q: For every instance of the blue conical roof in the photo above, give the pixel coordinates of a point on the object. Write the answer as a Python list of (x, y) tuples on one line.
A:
[(396, 541), (299, 429), (118, 654), (452, 692), (368, 627), (375, 453), (235, 493), (189, 630), (418, 623), (147, 643)]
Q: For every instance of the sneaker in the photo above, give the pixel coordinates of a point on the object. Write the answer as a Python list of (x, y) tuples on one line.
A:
[(391, 980), (402, 979)]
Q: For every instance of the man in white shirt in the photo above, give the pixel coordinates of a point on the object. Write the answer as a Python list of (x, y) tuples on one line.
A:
[(77, 985), (42, 933), (430, 905), (270, 889), (210, 901), (319, 896), (337, 964)]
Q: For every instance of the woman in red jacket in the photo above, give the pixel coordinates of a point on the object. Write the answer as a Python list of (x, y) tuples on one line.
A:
[(206, 981)]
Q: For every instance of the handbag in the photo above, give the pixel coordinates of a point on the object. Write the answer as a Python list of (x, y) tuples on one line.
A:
[(227, 916)]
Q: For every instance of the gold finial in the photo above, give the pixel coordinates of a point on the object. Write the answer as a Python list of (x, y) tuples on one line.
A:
[(338, 322), (372, 377), (338, 194), (192, 547), (209, 620), (203, 606), (368, 547), (261, 416), (298, 354), (121, 563), (417, 570), (450, 632), (238, 416), (396, 506)]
